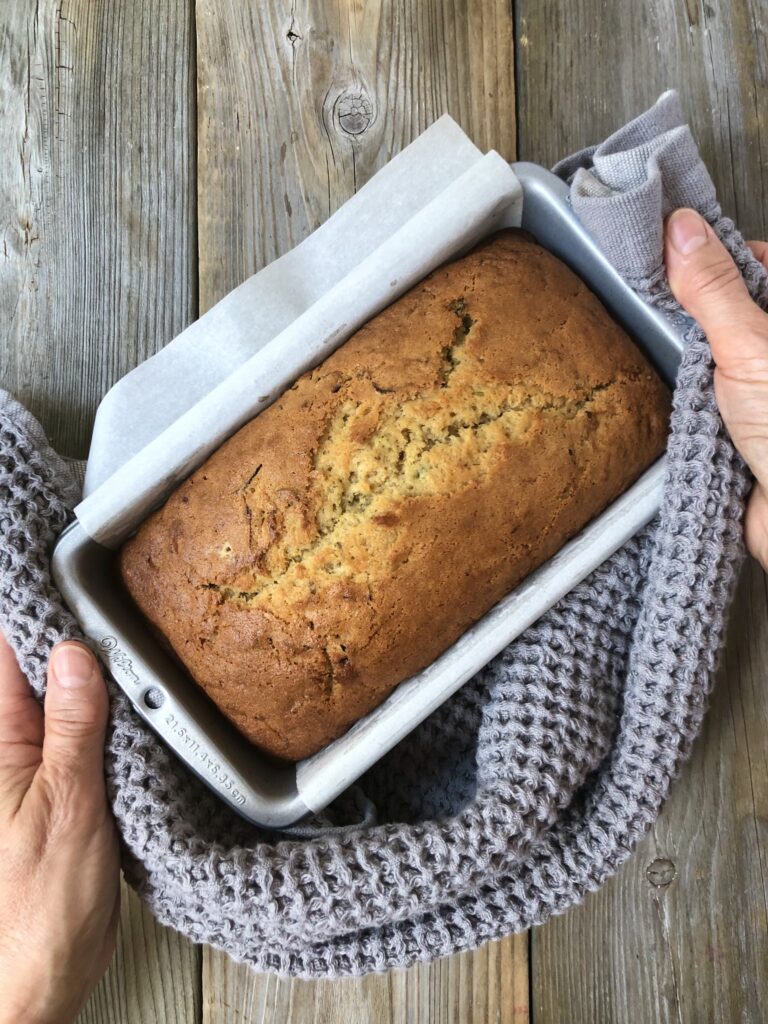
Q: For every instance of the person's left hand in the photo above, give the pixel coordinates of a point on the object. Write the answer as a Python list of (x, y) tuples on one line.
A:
[(59, 860)]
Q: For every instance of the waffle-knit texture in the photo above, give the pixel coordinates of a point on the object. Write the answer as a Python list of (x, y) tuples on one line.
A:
[(532, 784)]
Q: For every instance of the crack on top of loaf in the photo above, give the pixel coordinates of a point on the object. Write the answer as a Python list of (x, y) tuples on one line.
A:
[(450, 353), (248, 512), (250, 479), (350, 505)]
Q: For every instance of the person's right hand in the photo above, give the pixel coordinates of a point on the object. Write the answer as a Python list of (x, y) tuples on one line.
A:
[(707, 283)]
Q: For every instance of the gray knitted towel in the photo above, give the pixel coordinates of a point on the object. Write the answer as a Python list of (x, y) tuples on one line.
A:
[(532, 784)]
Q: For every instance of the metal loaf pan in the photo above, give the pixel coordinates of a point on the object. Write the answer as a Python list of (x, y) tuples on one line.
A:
[(276, 794)]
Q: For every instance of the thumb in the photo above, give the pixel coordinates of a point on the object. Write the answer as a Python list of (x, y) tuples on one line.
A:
[(76, 707), (707, 283)]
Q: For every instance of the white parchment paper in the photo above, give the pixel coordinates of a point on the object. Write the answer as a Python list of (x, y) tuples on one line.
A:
[(157, 424)]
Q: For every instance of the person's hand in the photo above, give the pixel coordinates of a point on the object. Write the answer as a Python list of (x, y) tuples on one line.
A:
[(707, 283), (59, 864)]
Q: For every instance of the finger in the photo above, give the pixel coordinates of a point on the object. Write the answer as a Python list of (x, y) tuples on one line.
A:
[(13, 686), (76, 708), (21, 732), (756, 525), (707, 283), (760, 252)]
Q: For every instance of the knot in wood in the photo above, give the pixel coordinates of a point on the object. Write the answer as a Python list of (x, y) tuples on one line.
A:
[(355, 112), (660, 872)]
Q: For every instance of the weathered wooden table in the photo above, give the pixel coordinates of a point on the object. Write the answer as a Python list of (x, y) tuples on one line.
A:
[(152, 155)]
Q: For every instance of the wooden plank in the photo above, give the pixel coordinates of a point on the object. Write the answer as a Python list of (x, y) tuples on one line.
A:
[(586, 67), (97, 270), (297, 107), (300, 104), (489, 986), (682, 933), (155, 977), (97, 198)]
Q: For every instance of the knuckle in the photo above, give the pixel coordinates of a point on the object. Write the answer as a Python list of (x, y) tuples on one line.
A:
[(743, 362), (73, 721), (713, 279)]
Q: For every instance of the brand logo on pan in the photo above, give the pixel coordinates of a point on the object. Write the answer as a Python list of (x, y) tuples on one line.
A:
[(198, 756), (117, 659)]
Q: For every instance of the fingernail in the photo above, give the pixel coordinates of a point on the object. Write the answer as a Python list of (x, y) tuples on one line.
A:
[(687, 231), (72, 666)]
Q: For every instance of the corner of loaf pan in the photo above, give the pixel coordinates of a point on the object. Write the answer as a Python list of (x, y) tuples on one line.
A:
[(241, 729)]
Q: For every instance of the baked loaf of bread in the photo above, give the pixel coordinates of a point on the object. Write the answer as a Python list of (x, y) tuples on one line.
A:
[(343, 539)]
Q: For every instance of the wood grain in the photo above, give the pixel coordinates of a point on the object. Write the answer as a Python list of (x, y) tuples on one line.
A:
[(489, 986), (681, 934), (297, 107), (97, 217), (154, 978), (585, 67)]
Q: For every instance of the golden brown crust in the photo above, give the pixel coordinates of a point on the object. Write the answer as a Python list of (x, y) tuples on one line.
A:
[(343, 539)]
